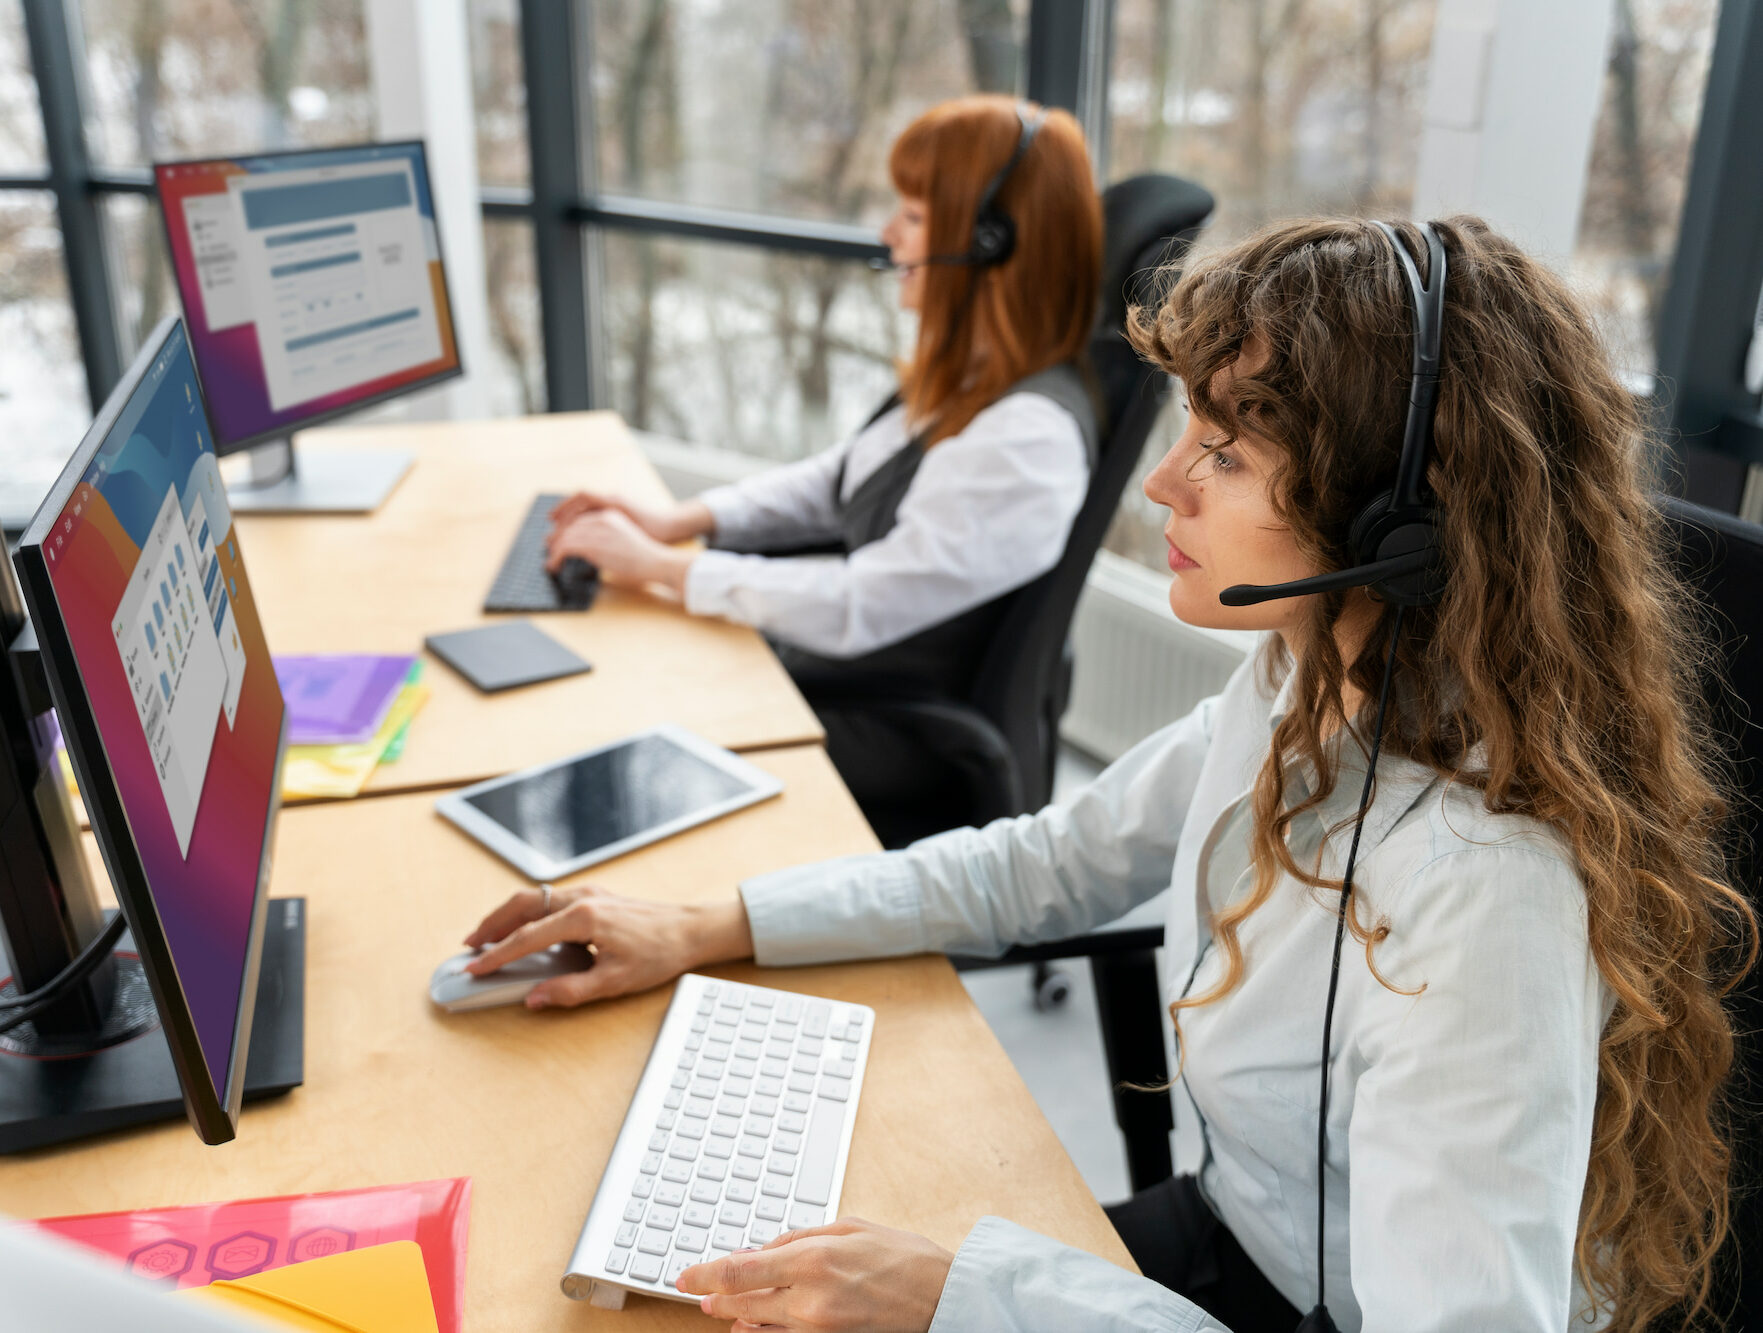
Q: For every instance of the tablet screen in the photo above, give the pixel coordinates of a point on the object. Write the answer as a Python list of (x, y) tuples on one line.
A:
[(617, 793)]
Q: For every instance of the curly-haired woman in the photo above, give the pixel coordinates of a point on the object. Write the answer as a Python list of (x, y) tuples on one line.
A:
[(1529, 1044)]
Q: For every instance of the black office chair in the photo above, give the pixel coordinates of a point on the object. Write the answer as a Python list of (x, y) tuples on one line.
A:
[(998, 746)]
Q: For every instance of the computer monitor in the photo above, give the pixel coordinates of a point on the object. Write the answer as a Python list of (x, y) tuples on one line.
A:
[(312, 284), (149, 640)]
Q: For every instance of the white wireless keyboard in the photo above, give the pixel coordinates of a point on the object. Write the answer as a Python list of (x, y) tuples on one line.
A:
[(739, 1129)]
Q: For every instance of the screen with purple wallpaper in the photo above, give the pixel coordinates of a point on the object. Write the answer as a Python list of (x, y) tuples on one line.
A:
[(150, 583), (311, 282)]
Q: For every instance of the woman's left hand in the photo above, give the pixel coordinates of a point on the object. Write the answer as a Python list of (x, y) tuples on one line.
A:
[(624, 553), (852, 1277)]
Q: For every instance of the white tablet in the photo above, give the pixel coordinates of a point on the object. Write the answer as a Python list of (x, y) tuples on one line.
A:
[(555, 819)]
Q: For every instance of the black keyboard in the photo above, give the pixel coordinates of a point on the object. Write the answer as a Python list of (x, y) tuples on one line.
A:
[(522, 583)]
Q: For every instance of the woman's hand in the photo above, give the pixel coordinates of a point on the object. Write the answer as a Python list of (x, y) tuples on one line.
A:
[(665, 523), (852, 1276), (636, 944), (624, 552)]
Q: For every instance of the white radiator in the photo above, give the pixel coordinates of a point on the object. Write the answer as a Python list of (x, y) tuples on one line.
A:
[(1138, 667)]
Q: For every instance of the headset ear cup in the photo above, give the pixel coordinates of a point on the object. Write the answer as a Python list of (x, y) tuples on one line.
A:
[(994, 237), (1380, 531)]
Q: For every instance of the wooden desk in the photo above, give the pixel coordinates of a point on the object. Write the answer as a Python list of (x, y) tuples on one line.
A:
[(424, 561), (528, 1105)]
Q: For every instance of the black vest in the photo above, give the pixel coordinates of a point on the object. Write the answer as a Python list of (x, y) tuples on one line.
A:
[(941, 660)]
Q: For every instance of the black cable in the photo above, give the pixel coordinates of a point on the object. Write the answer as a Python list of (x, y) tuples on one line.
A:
[(22, 1008), (1334, 975)]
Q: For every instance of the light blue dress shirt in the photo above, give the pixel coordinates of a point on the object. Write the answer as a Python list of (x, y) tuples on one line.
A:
[(1462, 1084)]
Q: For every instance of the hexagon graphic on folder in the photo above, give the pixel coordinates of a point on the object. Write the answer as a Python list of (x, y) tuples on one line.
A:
[(241, 1255), (163, 1260), (319, 1243)]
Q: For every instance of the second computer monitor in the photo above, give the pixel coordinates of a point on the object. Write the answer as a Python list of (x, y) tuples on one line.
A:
[(312, 283)]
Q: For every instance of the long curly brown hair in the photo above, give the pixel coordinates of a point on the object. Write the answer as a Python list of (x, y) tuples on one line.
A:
[(1559, 676)]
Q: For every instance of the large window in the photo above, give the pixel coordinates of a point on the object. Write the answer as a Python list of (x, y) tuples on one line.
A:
[(1653, 87)]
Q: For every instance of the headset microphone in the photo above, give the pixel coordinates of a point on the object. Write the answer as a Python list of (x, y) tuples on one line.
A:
[(1395, 545)]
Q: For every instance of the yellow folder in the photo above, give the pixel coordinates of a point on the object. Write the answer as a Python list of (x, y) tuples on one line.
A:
[(380, 1289)]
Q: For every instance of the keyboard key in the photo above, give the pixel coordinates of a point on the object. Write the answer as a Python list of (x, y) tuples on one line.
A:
[(616, 1261), (784, 1141), (713, 988), (663, 1218), (653, 1241), (820, 1153), (658, 1141), (763, 1233), (774, 1068), (810, 1045), (763, 1106), (801, 1083), (673, 1099), (651, 1163), (712, 1169), (836, 1032), (752, 1147), (749, 1050), (705, 1191), (738, 1085), (855, 1018), (694, 1041), (736, 1106), (839, 1089), (796, 1101), (770, 1087), (676, 1171), (789, 1008), (680, 1078), (727, 1238), (815, 1020), (693, 1129), (758, 1126), (703, 1087), (627, 1235), (740, 1191), (778, 1187), (783, 1163), (741, 1067), (643, 1187), (634, 1210), (671, 1193), (746, 1168), (706, 1005), (762, 999), (699, 1108), (769, 1210), (720, 1147), (682, 1149), (844, 1069), (679, 1264), (666, 1119), (692, 1239), (734, 1214), (646, 1268), (802, 1216), (699, 1214), (805, 1063), (700, 1025), (725, 1126)]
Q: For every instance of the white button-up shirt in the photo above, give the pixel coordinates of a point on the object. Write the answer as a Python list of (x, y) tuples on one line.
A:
[(1460, 1111), (988, 511)]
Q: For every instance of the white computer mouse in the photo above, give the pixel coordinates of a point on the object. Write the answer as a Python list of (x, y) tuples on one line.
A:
[(456, 990)]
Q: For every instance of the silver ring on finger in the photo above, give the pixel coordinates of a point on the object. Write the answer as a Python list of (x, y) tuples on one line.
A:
[(545, 905)]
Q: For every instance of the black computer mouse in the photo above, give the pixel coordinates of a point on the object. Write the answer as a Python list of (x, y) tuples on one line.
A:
[(577, 581)]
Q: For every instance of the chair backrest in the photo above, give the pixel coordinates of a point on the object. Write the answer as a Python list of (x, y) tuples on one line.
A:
[(1723, 557), (1148, 221)]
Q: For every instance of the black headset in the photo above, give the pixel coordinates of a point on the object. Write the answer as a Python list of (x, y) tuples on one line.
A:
[(1394, 540), (993, 239)]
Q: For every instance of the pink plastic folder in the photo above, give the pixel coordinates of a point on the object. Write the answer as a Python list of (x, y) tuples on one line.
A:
[(192, 1246), (338, 700)]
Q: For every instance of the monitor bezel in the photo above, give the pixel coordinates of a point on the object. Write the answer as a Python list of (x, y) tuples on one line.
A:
[(275, 433), (213, 1111)]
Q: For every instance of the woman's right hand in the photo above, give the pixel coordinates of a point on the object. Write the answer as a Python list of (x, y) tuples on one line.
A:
[(666, 523), (637, 944)]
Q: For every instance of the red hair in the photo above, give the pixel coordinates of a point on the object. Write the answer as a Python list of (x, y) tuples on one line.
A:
[(983, 329)]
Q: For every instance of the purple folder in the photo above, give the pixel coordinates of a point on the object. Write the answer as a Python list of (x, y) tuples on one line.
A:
[(338, 700)]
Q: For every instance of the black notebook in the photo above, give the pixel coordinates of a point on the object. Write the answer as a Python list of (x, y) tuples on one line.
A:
[(499, 657)]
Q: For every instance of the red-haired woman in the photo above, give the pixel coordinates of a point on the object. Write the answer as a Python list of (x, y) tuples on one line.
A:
[(960, 490)]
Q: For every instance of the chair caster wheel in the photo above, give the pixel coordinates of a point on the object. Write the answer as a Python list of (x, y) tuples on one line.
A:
[(1052, 989)]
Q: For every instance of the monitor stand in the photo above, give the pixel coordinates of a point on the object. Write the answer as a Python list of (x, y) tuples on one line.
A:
[(284, 480), (51, 1094)]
